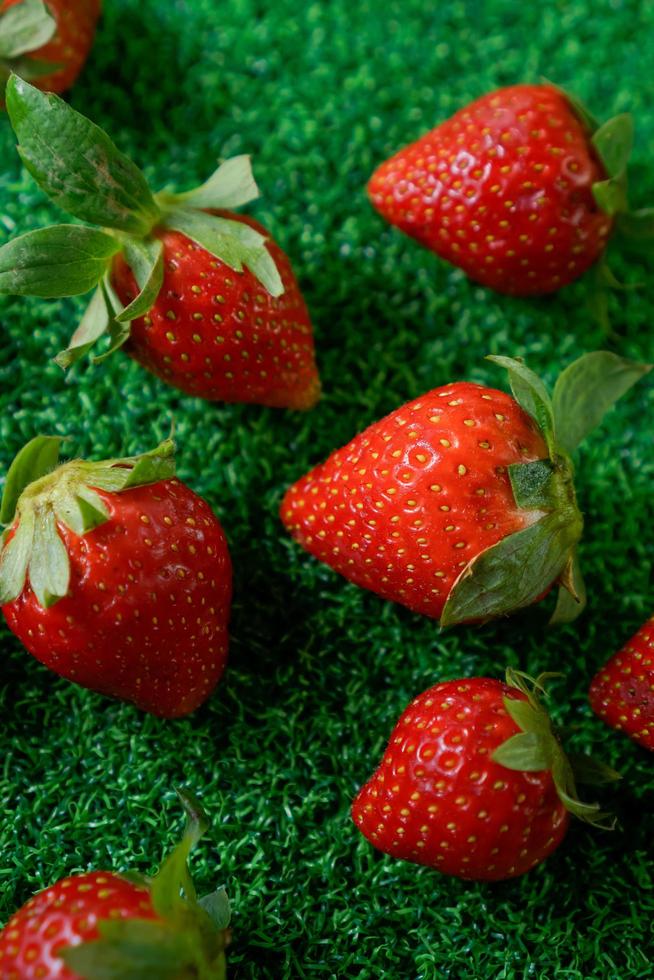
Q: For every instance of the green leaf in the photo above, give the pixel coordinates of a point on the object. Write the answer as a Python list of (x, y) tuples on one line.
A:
[(39, 457), (217, 907), (173, 879), (132, 949), (586, 390), (145, 259), (532, 484), (572, 598), (132, 471), (234, 243), (514, 572), (25, 27), (526, 752), (611, 195), (77, 164), (49, 567), (93, 325), (530, 393), (530, 718), (82, 511), (231, 186), (614, 142), (14, 560), (591, 772), (65, 260)]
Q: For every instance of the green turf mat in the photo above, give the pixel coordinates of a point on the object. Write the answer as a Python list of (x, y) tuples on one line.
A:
[(319, 92)]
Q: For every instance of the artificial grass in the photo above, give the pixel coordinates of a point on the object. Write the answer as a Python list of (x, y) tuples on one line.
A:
[(320, 670)]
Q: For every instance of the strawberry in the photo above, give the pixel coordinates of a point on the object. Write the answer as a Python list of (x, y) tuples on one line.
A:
[(199, 295), (461, 503), (474, 781), (520, 189), (46, 41), (116, 576), (622, 692), (103, 924)]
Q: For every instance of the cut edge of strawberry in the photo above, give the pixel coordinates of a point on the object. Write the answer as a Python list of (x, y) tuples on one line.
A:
[(523, 566), (537, 747), (40, 494), (106, 190), (190, 935)]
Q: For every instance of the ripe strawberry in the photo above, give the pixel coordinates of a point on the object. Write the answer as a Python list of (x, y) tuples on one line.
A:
[(474, 782), (105, 925), (622, 692), (519, 189), (219, 335), (46, 41), (199, 295), (116, 576), (461, 503)]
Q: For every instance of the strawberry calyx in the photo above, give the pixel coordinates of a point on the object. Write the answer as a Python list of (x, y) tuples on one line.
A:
[(537, 747), (40, 496), (187, 939), (25, 28), (84, 173), (522, 567)]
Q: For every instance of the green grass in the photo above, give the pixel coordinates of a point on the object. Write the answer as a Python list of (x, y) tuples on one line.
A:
[(319, 670)]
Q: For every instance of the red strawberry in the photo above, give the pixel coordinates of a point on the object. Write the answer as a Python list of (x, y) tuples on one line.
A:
[(461, 504), (61, 38), (473, 782), (622, 692), (222, 336), (199, 295), (518, 189), (116, 576), (102, 924)]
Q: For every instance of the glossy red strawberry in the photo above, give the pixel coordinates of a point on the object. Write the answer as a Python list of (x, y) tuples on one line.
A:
[(473, 782), (220, 335), (101, 924), (116, 576), (199, 295), (61, 38), (460, 504), (519, 189), (622, 692)]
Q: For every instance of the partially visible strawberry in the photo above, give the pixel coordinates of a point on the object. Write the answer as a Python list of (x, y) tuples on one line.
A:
[(116, 576), (54, 42), (474, 782), (102, 925), (219, 335), (519, 189), (199, 295), (461, 503), (622, 692)]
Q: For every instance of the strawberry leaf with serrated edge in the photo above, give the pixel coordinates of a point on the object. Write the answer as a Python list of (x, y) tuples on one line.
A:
[(231, 186), (586, 390), (530, 393), (513, 573), (38, 496), (76, 163), (64, 260), (93, 325), (25, 27), (232, 242), (37, 458), (146, 261), (572, 596), (537, 748), (188, 938)]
